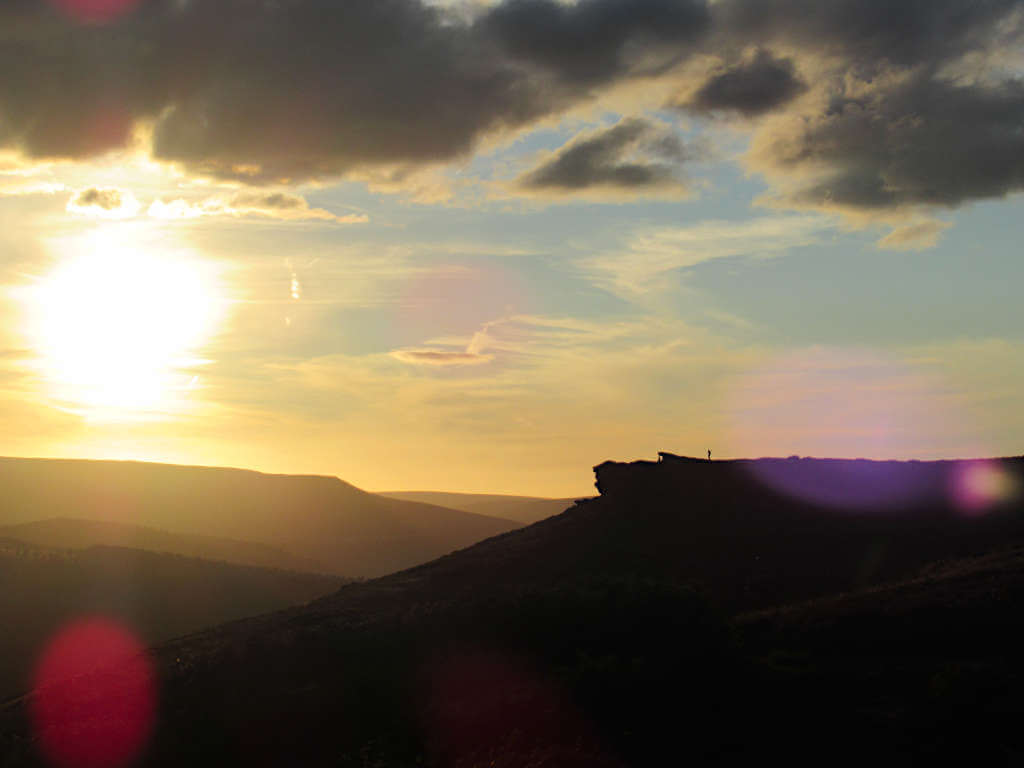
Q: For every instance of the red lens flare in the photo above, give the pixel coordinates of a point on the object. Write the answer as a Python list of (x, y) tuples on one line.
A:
[(93, 696), (490, 709), (95, 11)]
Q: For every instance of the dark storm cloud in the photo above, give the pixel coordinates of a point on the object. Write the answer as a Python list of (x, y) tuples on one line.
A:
[(866, 32), (750, 88), (919, 104), (605, 160), (302, 89), (593, 41), (924, 141)]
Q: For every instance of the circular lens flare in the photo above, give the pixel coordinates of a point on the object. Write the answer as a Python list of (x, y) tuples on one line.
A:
[(840, 402), (980, 485), (95, 11), (94, 696)]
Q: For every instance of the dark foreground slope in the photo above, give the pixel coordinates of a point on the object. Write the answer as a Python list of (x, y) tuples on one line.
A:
[(666, 622), (748, 541), (159, 595), (345, 530)]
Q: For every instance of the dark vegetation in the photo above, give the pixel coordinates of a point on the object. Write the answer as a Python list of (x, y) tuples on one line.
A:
[(689, 615)]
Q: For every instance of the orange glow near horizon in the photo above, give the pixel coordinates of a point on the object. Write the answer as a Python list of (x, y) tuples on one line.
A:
[(117, 324)]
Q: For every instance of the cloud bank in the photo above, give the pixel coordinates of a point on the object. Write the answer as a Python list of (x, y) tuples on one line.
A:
[(901, 105)]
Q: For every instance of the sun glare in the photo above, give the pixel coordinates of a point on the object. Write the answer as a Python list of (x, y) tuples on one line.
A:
[(118, 323)]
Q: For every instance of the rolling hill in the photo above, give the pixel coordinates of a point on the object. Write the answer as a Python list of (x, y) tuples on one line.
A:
[(70, 533), (159, 596), (347, 531), (707, 613)]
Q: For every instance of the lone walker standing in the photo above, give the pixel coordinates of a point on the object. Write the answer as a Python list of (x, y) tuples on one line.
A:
[(709, 454)]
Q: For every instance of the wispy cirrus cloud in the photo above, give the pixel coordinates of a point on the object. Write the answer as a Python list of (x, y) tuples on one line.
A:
[(439, 357), (474, 353), (26, 178), (647, 256), (915, 235)]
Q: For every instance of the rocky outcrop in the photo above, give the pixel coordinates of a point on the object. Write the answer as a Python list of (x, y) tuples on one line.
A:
[(951, 487)]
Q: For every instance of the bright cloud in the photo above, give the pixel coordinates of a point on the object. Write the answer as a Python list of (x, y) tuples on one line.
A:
[(274, 205)]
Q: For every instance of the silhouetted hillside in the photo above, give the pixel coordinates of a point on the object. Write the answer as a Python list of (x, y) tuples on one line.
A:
[(738, 528), (69, 533), (666, 621), (159, 596), (350, 532), (525, 509), (925, 671)]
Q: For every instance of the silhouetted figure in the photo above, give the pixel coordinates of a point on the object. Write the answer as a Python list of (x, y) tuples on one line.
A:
[(709, 454)]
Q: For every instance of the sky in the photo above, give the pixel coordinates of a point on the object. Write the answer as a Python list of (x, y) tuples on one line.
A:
[(484, 246)]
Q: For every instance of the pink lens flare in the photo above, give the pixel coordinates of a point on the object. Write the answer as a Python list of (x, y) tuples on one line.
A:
[(95, 11), (485, 704), (93, 696), (847, 402), (460, 299), (977, 486)]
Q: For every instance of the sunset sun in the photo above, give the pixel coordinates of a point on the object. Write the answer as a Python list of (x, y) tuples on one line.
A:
[(117, 325)]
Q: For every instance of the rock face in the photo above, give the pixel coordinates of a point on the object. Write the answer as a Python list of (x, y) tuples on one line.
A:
[(975, 487), (759, 532)]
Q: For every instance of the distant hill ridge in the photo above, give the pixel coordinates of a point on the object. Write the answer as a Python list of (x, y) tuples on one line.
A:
[(79, 533), (314, 518), (524, 509)]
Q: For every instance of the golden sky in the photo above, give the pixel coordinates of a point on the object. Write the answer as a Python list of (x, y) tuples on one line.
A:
[(485, 246)]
